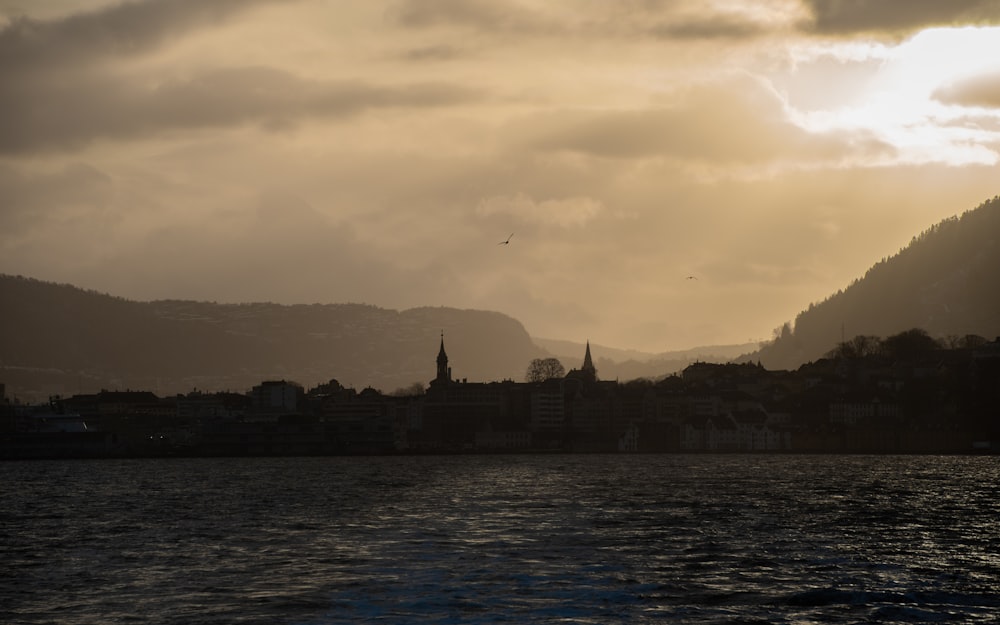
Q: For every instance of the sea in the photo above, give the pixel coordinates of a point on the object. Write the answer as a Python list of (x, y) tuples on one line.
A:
[(502, 539)]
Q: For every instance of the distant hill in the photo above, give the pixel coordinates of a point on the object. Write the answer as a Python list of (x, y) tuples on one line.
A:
[(625, 364), (62, 339), (945, 282)]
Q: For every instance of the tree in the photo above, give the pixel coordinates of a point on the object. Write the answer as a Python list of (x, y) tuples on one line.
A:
[(969, 341), (861, 346), (782, 332), (415, 389), (542, 369), (910, 345)]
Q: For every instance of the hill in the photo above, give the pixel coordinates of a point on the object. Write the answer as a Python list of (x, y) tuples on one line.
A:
[(61, 339), (944, 282)]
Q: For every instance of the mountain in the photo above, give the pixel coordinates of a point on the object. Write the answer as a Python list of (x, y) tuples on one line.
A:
[(625, 364), (61, 339), (944, 282)]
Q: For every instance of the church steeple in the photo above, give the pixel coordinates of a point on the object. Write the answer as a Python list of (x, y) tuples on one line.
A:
[(588, 368), (443, 371)]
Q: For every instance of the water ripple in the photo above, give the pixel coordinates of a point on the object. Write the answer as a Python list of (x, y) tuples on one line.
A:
[(502, 539)]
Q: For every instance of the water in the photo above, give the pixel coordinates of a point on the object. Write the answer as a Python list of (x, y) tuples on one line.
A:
[(502, 539)]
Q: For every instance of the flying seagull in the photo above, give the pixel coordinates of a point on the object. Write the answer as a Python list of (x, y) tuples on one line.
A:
[(690, 278), (507, 242)]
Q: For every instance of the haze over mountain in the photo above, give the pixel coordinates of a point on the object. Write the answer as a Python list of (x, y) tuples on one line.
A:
[(945, 282), (628, 364)]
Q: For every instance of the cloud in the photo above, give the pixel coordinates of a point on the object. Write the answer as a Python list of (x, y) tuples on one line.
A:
[(28, 44), (61, 87), (721, 27), (982, 91), (736, 122), (640, 18), (898, 16), (681, 20), (71, 112)]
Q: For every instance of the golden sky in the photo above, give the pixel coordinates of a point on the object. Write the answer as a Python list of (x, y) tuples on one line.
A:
[(376, 151)]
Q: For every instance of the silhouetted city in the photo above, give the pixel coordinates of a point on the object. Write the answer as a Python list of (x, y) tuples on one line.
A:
[(903, 394)]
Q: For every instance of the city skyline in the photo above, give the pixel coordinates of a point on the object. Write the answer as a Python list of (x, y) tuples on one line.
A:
[(377, 152)]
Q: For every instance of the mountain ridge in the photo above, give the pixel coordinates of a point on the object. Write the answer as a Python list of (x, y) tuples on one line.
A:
[(943, 282), (60, 338)]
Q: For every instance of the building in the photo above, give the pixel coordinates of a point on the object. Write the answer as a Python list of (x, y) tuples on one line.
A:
[(276, 397), (454, 411)]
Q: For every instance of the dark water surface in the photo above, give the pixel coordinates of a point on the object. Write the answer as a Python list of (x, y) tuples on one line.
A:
[(502, 539)]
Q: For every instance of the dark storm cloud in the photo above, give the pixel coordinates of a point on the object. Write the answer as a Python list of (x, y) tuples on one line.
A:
[(27, 45), (981, 91), (900, 16), (42, 114)]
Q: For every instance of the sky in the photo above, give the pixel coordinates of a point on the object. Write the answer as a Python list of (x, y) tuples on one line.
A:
[(675, 173)]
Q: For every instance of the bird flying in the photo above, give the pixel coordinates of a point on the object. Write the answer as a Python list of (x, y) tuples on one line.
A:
[(507, 242)]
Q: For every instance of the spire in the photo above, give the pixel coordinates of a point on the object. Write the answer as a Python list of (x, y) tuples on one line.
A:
[(443, 372), (588, 365)]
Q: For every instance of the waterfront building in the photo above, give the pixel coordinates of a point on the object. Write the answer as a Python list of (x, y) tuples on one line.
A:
[(276, 397), (454, 411)]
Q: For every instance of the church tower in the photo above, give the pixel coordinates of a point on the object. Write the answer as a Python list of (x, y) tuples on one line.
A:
[(443, 370)]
